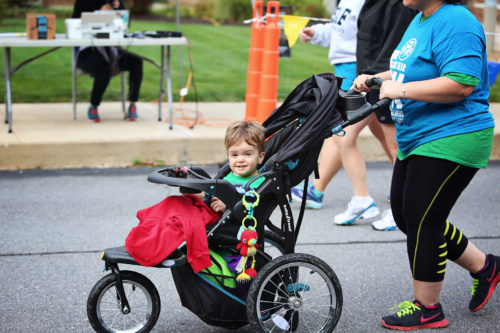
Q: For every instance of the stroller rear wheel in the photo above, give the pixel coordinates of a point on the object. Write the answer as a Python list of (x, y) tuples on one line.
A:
[(295, 293), (104, 308)]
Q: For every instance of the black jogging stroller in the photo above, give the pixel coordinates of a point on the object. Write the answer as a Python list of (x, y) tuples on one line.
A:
[(292, 292)]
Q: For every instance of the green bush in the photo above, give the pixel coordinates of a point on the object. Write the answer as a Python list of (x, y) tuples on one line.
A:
[(233, 11), (204, 9), (310, 8)]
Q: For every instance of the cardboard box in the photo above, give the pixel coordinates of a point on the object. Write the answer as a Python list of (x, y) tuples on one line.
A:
[(40, 26)]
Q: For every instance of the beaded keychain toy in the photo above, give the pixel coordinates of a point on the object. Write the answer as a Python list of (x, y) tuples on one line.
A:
[(248, 240)]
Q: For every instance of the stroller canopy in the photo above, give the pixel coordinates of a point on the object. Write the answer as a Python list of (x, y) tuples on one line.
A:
[(296, 130)]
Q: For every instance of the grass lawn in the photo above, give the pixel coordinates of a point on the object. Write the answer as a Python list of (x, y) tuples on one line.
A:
[(220, 56)]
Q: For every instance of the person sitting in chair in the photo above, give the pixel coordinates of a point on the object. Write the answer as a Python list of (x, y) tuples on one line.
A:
[(103, 62)]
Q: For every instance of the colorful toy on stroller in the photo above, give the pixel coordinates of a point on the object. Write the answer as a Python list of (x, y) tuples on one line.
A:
[(291, 292)]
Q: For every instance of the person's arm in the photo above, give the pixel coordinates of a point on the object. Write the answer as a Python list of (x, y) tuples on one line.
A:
[(322, 34), (438, 90), (359, 83)]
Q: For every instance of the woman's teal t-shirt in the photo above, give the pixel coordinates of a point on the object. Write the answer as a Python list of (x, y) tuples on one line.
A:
[(470, 149), (435, 48)]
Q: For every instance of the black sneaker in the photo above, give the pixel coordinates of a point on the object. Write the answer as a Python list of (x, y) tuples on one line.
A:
[(414, 316), (484, 284)]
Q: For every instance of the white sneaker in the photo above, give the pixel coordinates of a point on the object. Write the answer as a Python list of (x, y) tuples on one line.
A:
[(356, 211), (386, 222)]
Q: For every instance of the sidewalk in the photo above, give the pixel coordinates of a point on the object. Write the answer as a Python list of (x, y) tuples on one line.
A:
[(46, 136)]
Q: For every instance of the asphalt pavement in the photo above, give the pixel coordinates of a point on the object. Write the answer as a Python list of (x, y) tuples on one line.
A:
[(55, 223)]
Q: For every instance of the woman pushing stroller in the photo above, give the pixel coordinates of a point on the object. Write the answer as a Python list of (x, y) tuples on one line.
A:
[(438, 80)]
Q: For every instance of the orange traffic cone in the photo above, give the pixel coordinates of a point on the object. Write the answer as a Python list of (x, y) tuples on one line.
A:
[(268, 88), (254, 61)]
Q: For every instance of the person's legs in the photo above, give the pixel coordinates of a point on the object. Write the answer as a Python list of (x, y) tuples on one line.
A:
[(472, 259), (377, 131), (94, 63), (390, 146), (362, 204), (133, 65), (431, 190), (387, 221), (329, 164), (383, 124), (397, 190), (390, 140), (423, 192), (352, 159)]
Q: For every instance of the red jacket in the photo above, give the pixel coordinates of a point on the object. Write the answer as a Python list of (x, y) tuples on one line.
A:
[(164, 226)]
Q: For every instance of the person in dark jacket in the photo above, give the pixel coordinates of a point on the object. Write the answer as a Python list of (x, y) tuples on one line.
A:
[(381, 24), (102, 62)]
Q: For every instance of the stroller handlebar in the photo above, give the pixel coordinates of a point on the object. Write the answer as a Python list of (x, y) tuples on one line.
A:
[(374, 82), (354, 116), (193, 180)]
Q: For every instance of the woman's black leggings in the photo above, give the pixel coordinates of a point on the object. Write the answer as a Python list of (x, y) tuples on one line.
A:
[(423, 192)]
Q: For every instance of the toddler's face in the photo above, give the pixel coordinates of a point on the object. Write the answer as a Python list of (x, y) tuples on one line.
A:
[(244, 158)]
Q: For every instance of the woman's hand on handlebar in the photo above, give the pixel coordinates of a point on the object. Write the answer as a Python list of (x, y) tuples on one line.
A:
[(359, 83)]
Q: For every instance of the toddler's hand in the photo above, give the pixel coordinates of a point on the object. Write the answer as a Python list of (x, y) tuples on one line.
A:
[(217, 205)]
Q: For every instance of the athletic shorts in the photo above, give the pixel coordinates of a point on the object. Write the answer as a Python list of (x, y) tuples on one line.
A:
[(346, 70)]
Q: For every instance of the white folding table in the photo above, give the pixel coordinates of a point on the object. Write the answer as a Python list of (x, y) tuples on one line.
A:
[(61, 41)]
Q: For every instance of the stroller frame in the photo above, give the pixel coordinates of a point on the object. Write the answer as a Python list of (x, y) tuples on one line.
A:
[(279, 277)]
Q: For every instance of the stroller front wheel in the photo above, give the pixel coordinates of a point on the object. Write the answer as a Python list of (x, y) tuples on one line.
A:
[(104, 308), (295, 293)]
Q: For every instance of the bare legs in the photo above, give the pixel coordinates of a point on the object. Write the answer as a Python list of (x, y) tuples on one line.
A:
[(390, 140), (352, 159), (329, 164), (338, 151)]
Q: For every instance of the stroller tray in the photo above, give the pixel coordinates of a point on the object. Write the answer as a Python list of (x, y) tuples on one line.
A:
[(119, 255)]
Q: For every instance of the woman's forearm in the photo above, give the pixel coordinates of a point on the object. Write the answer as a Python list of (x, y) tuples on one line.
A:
[(438, 90), (384, 75)]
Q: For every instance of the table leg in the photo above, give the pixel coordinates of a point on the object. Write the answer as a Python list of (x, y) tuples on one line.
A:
[(8, 98), (73, 81), (162, 75), (169, 92)]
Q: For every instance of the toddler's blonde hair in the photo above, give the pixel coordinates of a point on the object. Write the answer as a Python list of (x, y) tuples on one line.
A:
[(250, 131)]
